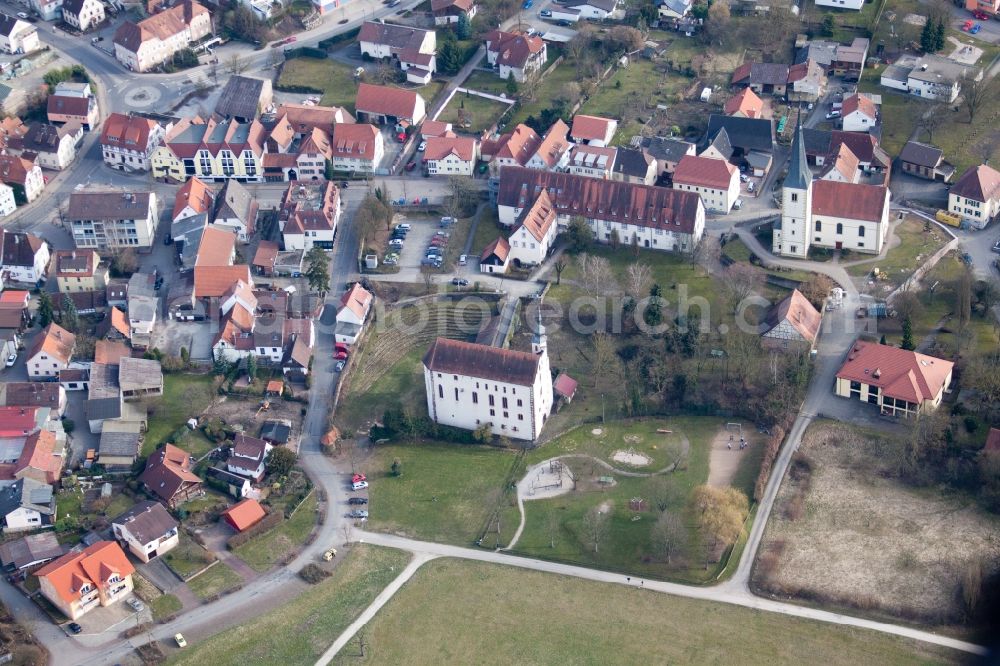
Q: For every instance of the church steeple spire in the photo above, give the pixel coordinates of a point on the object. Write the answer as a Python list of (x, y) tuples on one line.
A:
[(799, 175)]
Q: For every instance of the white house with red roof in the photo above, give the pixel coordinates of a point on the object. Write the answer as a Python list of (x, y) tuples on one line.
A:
[(408, 46), (553, 152), (128, 142), (80, 581), (145, 45), (248, 456), (356, 148), (451, 155), (793, 322), (593, 130), (515, 148), (975, 196), (900, 382), (355, 305), (309, 214), (859, 113), (450, 11), (592, 161), (514, 54), (536, 231), (495, 257), (384, 104), (717, 182)]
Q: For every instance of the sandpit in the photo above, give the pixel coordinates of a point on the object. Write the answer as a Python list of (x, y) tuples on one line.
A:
[(597, 431), (631, 458)]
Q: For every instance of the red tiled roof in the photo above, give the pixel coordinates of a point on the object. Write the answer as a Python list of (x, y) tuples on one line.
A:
[(14, 169), (901, 374), (17, 421), (216, 248), (564, 385), (94, 565), (212, 281), (302, 118), (704, 172), (519, 145), (440, 5), (861, 103), (845, 163), (589, 128), (167, 470), (849, 200), (267, 253), (68, 106), (745, 101), (38, 455), (357, 299), (110, 352), (981, 183), (454, 357), (440, 147), (14, 298), (500, 247), (196, 194), (162, 25), (540, 217), (741, 73), (555, 143), (431, 128), (799, 312), (387, 101), (55, 341), (244, 514), (354, 141)]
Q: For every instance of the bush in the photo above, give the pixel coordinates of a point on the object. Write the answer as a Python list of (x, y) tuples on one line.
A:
[(305, 52), (267, 523), (312, 574)]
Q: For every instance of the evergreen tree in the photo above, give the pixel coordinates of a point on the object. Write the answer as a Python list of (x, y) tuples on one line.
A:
[(44, 314), (462, 28), (654, 310), (908, 335), (318, 270), (939, 36), (252, 367), (511, 86), (69, 318), (450, 57), (928, 38)]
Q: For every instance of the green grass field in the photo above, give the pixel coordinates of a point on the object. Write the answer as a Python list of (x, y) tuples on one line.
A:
[(401, 386), (915, 247), (453, 609), (216, 580), (335, 79), (479, 111), (184, 397), (301, 630), (466, 481), (486, 232), (188, 558), (165, 605), (263, 552)]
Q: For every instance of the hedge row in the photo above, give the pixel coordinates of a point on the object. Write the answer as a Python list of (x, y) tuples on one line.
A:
[(305, 52), (267, 523)]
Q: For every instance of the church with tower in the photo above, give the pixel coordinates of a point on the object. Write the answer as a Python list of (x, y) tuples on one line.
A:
[(470, 385), (828, 212)]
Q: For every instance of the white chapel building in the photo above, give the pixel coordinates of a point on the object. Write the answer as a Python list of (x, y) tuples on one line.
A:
[(469, 385)]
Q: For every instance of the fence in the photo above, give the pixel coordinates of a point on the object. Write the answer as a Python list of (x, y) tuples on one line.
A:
[(912, 281)]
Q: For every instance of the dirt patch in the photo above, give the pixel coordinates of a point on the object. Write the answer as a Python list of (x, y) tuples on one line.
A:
[(726, 455), (597, 431), (844, 532), (630, 457), (550, 478), (245, 411)]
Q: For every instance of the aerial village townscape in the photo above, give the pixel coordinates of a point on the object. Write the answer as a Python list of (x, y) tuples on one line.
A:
[(499, 331)]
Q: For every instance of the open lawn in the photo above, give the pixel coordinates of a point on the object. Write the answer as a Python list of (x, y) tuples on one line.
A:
[(555, 527), (527, 617), (335, 79), (217, 580), (445, 493), (472, 113), (165, 605), (188, 557), (915, 246), (846, 532), (298, 632), (486, 232), (402, 385), (184, 397), (900, 112), (264, 551), (486, 82), (544, 93), (737, 250)]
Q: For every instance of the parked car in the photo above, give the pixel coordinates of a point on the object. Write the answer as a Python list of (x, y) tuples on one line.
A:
[(358, 513), (463, 260), (745, 178), (968, 25), (329, 555), (564, 23), (975, 29), (179, 639), (396, 243), (357, 501), (74, 627), (751, 187), (447, 221), (359, 485), (358, 476), (22, 16), (996, 246), (404, 226), (738, 204), (981, 15), (528, 4), (391, 261), (339, 366), (431, 261), (135, 604), (460, 282), (442, 234), (11, 359), (833, 114), (422, 147), (545, 13), (966, 258)]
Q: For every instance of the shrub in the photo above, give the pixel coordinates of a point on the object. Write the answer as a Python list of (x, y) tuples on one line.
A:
[(312, 574)]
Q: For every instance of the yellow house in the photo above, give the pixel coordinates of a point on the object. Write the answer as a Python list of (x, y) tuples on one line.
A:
[(78, 582), (898, 381), (212, 151), (80, 270)]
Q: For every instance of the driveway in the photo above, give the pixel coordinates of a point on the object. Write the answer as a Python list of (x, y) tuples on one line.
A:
[(159, 574), (81, 439), (196, 336)]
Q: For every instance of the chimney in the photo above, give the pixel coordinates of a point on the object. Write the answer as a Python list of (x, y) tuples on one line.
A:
[(877, 373)]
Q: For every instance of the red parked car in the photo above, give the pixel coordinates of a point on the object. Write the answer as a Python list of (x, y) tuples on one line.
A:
[(981, 15), (358, 477), (341, 352)]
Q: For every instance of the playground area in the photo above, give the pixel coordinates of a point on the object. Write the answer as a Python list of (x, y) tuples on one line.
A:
[(731, 444)]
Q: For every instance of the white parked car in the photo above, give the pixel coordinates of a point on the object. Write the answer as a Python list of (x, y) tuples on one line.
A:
[(750, 187), (738, 204), (359, 485), (11, 360), (422, 147), (832, 115)]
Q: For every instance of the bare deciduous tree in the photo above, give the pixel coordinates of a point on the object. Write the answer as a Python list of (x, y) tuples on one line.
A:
[(236, 64), (605, 358), (595, 527), (740, 280), (668, 536), (596, 275), (638, 279), (978, 94), (559, 265)]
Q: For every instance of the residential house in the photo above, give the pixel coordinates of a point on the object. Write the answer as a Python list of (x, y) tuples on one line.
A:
[(53, 147), (859, 113), (925, 161), (24, 257), (265, 258), (247, 457), (119, 445), (27, 504), (41, 459), (593, 161), (451, 11), (80, 581), (717, 182), (48, 10), (900, 382), (354, 307), (597, 10), (232, 484), (735, 139), (50, 395), (23, 176), (515, 148), (244, 514), (822, 146), (147, 530), (514, 54), (745, 104), (564, 13), (112, 220), (236, 210), (841, 4), (114, 327), (14, 318), (243, 97), (128, 142), (495, 257), (83, 14), (593, 130), (308, 215), (139, 378), (64, 109), (806, 82), (827, 213), (17, 36), (409, 47), (674, 9), (193, 198), (149, 43), (211, 150), (654, 217), (553, 151), (24, 555), (168, 476), (381, 105), (8, 203), (303, 118), (792, 323), (74, 379), (104, 398), (451, 155), (667, 152), (430, 128), (764, 78), (536, 230), (80, 270), (931, 77), (634, 166), (356, 148), (975, 196), (469, 386)]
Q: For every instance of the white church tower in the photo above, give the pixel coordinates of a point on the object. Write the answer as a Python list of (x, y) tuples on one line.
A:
[(540, 347), (791, 239)]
